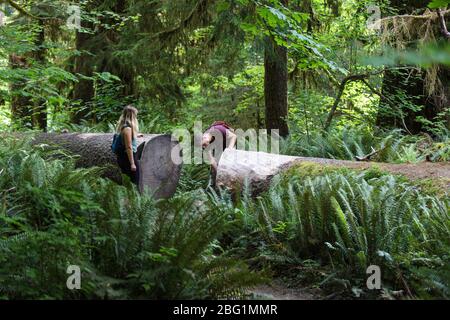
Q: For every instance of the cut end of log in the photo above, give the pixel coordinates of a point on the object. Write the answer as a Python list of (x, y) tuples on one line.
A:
[(159, 172)]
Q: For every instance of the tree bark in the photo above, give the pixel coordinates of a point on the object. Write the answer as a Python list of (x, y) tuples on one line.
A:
[(443, 25), (276, 85), (21, 105), (159, 173), (238, 168), (83, 90), (39, 55)]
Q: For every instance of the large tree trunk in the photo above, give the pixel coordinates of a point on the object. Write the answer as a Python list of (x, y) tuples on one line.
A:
[(238, 168), (21, 105), (39, 55), (83, 90), (276, 85), (159, 172), (110, 62)]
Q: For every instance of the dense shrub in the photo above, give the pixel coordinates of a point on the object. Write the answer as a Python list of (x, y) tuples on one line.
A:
[(352, 220), (127, 245), (351, 143)]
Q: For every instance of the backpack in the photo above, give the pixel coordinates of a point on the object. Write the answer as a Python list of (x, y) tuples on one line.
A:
[(221, 123), (117, 145)]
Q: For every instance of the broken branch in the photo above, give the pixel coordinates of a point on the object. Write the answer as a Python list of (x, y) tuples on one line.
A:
[(443, 24), (19, 8)]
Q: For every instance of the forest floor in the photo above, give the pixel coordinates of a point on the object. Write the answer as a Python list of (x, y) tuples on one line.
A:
[(278, 290)]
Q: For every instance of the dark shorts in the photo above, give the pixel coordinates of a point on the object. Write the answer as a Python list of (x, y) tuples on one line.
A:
[(125, 166)]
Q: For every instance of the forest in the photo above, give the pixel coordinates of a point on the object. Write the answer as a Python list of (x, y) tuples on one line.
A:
[(358, 92)]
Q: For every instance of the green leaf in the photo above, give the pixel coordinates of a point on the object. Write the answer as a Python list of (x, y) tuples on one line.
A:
[(222, 6), (435, 4), (250, 28)]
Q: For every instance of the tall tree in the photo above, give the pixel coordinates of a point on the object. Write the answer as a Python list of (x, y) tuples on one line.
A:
[(276, 85), (83, 66), (39, 116), (21, 105), (110, 39)]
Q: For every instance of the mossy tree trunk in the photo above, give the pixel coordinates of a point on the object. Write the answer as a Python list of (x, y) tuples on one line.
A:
[(238, 168), (83, 90), (39, 116), (276, 85), (21, 105)]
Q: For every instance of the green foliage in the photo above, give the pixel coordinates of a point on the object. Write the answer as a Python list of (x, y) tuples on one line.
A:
[(285, 25), (108, 101), (126, 244), (194, 177), (353, 220), (440, 151), (354, 143), (182, 61), (439, 4), (34, 263)]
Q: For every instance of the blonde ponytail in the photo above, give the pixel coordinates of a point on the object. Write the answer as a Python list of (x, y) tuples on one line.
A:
[(129, 119)]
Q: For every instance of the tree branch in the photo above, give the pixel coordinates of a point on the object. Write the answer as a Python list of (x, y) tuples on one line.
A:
[(443, 24), (19, 8), (182, 24), (343, 84), (426, 15), (359, 77), (370, 155)]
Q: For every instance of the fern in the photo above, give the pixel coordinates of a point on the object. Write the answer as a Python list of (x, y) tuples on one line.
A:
[(349, 143), (127, 244), (352, 217)]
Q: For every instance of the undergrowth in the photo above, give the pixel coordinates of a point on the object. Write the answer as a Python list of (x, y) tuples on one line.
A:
[(361, 142), (346, 221), (317, 226), (127, 245)]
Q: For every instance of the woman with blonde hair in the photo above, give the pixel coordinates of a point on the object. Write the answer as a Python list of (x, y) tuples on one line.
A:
[(125, 143)]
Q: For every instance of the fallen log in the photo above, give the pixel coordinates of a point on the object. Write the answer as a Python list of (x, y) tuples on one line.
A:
[(237, 168), (158, 173)]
